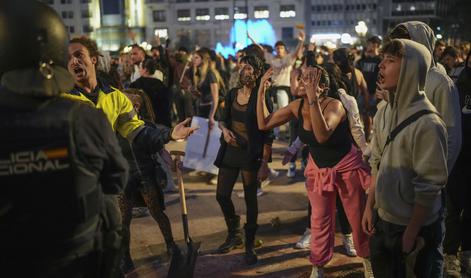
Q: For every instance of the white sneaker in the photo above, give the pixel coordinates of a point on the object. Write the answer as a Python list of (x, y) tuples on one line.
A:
[(259, 193), (367, 269), (266, 182), (317, 272), (305, 241), (213, 180), (348, 245), (274, 173), (291, 170)]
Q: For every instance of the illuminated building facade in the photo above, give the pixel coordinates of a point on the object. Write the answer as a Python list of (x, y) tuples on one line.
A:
[(209, 22), (112, 23), (432, 12), (328, 20)]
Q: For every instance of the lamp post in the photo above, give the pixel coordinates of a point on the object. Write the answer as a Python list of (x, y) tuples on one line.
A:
[(361, 29)]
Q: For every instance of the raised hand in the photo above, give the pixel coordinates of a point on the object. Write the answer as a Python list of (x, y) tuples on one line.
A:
[(301, 36), (311, 77), (181, 131), (265, 81)]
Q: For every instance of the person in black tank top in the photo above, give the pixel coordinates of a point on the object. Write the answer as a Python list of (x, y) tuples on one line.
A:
[(335, 165), (245, 150)]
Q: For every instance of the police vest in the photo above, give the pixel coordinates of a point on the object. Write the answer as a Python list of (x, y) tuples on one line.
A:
[(48, 200)]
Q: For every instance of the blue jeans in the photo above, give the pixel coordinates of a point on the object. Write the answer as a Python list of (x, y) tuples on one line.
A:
[(387, 258)]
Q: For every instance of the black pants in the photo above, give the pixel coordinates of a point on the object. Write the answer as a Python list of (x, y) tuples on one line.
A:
[(458, 210), (227, 177), (153, 198), (387, 258), (343, 220)]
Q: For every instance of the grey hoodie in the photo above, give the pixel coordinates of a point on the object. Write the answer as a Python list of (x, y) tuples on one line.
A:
[(440, 89), (413, 167)]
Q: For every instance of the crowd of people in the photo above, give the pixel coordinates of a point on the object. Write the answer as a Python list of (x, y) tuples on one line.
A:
[(381, 131)]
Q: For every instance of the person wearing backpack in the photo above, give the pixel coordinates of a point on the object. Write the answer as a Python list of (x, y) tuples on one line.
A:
[(60, 162), (335, 164), (409, 167)]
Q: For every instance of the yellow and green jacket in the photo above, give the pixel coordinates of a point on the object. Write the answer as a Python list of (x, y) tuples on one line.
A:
[(117, 107)]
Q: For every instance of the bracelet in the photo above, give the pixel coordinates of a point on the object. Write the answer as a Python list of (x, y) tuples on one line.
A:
[(313, 102)]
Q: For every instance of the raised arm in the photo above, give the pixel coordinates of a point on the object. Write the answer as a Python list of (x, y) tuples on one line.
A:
[(323, 125), (265, 120)]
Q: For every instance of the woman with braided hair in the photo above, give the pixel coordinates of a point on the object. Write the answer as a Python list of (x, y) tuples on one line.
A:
[(335, 164), (246, 150)]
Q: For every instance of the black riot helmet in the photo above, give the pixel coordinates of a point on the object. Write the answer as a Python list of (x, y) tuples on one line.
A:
[(31, 33)]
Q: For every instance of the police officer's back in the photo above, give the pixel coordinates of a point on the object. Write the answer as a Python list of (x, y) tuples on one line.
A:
[(58, 158)]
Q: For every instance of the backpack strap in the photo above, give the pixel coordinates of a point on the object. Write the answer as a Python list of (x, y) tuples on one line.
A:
[(412, 118)]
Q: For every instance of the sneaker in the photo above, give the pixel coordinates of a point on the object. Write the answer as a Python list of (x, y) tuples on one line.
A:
[(367, 269), (274, 173), (452, 266), (265, 183), (348, 245), (317, 272), (466, 262), (291, 170), (213, 180), (260, 192), (305, 241)]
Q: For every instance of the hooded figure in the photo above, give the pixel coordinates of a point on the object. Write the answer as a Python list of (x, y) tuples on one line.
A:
[(439, 88), (412, 169)]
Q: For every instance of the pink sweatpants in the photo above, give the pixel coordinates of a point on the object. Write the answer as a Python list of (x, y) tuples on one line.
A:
[(349, 184)]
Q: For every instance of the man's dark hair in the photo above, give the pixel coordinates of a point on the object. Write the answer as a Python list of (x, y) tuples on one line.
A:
[(154, 48), (395, 48), (399, 32), (451, 51), (139, 47), (280, 43), (149, 65), (375, 40), (440, 43), (88, 43), (254, 50), (184, 49)]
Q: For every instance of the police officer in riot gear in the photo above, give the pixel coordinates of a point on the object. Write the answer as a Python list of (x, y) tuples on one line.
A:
[(59, 159)]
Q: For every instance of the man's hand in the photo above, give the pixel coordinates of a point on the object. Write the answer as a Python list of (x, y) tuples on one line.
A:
[(408, 241), (181, 131), (301, 36), (367, 221), (263, 171)]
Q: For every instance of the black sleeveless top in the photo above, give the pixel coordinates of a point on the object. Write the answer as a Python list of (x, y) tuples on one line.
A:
[(331, 152)]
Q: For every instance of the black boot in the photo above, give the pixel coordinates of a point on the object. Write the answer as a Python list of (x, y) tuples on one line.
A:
[(127, 265), (250, 255), (172, 249), (234, 235)]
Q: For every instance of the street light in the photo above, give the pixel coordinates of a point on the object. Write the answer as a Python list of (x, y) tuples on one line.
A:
[(361, 28)]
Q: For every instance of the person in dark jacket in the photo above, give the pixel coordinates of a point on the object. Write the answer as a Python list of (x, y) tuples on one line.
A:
[(60, 161), (147, 179), (156, 90), (245, 150)]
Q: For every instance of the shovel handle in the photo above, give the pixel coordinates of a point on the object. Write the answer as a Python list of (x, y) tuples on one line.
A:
[(181, 186)]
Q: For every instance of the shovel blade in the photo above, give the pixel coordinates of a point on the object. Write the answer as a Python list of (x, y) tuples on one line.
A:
[(183, 266)]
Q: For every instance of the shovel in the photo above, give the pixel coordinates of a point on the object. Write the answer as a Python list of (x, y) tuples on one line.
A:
[(181, 266)]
